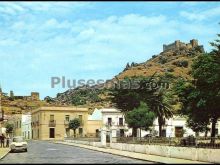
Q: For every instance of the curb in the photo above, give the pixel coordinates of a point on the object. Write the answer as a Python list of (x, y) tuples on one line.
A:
[(129, 156), (4, 154)]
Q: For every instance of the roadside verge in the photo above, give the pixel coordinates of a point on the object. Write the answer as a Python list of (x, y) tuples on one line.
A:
[(4, 152)]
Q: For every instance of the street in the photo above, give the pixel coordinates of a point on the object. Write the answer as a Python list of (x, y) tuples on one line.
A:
[(46, 152)]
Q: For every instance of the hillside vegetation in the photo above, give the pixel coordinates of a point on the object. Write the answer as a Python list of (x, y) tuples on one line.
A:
[(175, 62)]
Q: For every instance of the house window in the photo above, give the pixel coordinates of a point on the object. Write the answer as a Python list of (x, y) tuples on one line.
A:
[(67, 117), (51, 117), (110, 121), (120, 121), (80, 119)]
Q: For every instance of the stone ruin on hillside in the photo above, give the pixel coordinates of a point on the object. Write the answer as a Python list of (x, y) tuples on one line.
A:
[(177, 45)]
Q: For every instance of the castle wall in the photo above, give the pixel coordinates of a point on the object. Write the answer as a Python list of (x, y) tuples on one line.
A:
[(168, 47), (177, 44)]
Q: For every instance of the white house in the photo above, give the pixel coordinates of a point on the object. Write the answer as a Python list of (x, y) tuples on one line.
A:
[(22, 125), (26, 126), (114, 119), (173, 127)]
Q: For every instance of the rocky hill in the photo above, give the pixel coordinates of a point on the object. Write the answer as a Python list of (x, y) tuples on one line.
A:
[(176, 60)]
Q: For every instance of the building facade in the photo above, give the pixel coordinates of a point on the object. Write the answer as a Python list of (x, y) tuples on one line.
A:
[(94, 124), (17, 121), (113, 118), (173, 127), (52, 122), (26, 126), (22, 125)]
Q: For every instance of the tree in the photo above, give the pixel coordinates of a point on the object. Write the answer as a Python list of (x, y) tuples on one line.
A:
[(140, 117), (49, 99), (189, 97), (206, 72), (158, 100), (201, 97), (74, 124), (197, 124), (9, 128), (128, 99)]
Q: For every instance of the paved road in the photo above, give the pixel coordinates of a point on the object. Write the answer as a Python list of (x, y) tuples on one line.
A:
[(45, 152)]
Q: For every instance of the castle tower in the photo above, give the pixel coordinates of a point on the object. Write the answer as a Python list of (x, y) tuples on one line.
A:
[(35, 96), (194, 43), (11, 94), (177, 43)]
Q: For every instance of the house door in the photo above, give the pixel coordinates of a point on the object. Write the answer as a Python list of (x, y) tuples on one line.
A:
[(122, 133), (108, 137), (52, 133), (178, 131), (163, 133)]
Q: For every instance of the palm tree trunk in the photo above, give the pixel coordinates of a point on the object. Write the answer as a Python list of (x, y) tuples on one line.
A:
[(140, 133), (160, 123), (134, 132), (214, 121)]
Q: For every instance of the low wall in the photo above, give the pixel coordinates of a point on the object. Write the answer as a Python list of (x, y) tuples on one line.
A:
[(95, 144), (196, 154)]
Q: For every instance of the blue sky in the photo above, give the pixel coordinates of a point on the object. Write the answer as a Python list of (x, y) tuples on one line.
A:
[(91, 40)]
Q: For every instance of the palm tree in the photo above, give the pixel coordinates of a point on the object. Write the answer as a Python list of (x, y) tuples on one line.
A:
[(161, 107), (160, 102)]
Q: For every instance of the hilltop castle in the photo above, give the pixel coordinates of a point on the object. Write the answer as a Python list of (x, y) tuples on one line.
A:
[(34, 96), (178, 44)]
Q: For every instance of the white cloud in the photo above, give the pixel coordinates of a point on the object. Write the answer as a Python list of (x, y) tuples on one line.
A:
[(39, 49), (201, 15), (17, 8)]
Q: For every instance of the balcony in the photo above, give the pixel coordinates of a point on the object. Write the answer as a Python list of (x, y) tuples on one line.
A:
[(66, 122), (121, 125), (81, 123), (109, 124), (34, 123), (52, 123)]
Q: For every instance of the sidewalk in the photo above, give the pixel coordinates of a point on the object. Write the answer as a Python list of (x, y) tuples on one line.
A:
[(4, 152), (152, 158)]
